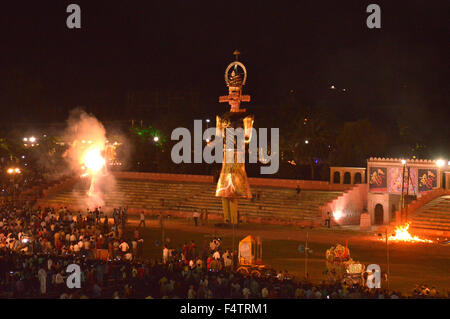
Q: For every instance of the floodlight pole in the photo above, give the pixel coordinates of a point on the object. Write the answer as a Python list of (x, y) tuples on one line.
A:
[(407, 193), (387, 257), (161, 219), (306, 256), (234, 248), (403, 194)]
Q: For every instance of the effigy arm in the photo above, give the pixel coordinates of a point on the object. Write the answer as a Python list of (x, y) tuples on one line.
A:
[(248, 126)]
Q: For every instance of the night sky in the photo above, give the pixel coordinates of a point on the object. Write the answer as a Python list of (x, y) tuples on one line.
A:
[(299, 47)]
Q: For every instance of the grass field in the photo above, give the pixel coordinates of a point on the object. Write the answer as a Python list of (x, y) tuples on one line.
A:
[(410, 263)]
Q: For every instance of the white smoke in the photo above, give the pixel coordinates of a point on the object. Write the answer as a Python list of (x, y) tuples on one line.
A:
[(87, 138)]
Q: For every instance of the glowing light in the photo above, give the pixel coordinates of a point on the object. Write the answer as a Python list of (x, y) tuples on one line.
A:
[(156, 139), (402, 234), (403, 162), (13, 170), (32, 139), (306, 142), (440, 163), (93, 160), (208, 120), (332, 87), (25, 139), (338, 214)]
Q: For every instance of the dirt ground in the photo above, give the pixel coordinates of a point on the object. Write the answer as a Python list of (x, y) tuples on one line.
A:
[(410, 263)]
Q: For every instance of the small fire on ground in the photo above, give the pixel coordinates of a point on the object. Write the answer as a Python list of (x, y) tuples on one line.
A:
[(401, 234)]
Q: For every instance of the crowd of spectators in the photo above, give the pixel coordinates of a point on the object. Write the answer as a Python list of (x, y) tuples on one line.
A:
[(14, 184), (37, 245)]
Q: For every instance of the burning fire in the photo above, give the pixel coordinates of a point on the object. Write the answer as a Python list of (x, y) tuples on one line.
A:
[(92, 161), (402, 234)]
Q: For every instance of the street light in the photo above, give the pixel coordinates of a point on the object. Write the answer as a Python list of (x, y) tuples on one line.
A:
[(31, 140), (440, 163), (13, 170), (156, 139)]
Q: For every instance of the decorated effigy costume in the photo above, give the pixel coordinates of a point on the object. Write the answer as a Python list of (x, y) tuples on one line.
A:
[(233, 182)]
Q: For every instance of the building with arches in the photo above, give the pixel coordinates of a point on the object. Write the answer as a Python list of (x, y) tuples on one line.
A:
[(385, 188), (390, 184), (347, 175)]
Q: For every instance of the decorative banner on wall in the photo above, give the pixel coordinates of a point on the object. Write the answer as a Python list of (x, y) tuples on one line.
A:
[(378, 179), (427, 179), (395, 176)]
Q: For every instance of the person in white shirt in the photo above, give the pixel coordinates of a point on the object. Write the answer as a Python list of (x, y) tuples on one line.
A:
[(124, 247), (165, 254), (196, 215), (246, 293), (228, 262), (216, 255), (42, 275), (86, 244), (141, 219)]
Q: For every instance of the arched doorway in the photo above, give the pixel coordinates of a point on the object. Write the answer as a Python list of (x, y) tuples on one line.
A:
[(378, 220), (358, 178), (336, 178), (347, 178)]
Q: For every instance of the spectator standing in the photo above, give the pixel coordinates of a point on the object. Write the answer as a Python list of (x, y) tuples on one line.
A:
[(196, 216), (141, 219), (328, 220)]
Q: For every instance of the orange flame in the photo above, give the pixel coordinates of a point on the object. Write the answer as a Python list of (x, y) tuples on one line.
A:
[(92, 162), (402, 234)]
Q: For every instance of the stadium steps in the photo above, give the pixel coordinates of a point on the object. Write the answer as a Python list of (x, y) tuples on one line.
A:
[(274, 203), (434, 215)]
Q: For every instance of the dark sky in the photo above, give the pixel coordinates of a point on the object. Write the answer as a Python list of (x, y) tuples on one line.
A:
[(305, 46)]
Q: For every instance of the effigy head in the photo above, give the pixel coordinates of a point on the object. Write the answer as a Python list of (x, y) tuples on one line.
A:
[(235, 75), (235, 78)]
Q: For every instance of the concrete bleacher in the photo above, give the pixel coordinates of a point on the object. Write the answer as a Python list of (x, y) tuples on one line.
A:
[(433, 216), (275, 204)]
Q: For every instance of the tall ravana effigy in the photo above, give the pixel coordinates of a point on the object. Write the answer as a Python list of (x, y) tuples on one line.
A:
[(233, 182)]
